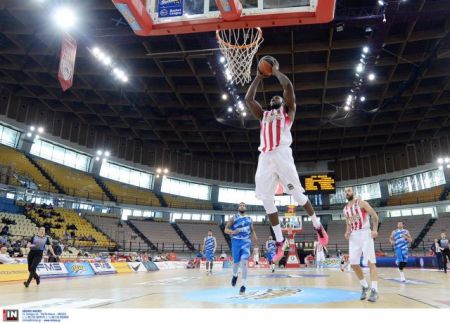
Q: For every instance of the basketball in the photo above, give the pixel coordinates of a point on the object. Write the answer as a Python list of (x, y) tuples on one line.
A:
[(265, 65)]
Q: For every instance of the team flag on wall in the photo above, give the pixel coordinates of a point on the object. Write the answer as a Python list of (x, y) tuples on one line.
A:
[(67, 61)]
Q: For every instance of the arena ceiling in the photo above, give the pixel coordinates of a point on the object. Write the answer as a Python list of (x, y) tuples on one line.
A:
[(173, 98)]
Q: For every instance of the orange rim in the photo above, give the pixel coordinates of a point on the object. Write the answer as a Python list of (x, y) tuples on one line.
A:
[(252, 44)]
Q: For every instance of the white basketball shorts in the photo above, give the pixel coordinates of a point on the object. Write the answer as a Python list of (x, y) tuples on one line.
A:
[(276, 166), (361, 244)]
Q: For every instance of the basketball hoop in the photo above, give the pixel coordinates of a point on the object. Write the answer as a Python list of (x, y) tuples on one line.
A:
[(239, 46)]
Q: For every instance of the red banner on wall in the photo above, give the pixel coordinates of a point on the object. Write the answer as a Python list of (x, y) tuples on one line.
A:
[(67, 61)]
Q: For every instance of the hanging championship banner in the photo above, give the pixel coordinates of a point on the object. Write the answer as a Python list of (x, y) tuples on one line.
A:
[(67, 61)]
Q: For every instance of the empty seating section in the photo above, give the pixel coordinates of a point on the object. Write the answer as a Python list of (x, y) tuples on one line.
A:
[(23, 227), (74, 182), (84, 228), (422, 196), (442, 224), (196, 232), (414, 224), (129, 194), (160, 233), (19, 164), (186, 203), (336, 231), (262, 232), (122, 234)]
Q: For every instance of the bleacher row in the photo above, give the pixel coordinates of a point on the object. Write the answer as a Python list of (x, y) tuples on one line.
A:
[(82, 184)]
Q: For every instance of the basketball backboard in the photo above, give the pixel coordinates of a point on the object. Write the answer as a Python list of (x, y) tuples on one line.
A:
[(163, 17)]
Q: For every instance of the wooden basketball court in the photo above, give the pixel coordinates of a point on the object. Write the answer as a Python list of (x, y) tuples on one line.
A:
[(183, 288)]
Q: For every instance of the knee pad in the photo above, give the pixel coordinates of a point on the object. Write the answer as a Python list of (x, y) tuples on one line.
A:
[(299, 197), (269, 206)]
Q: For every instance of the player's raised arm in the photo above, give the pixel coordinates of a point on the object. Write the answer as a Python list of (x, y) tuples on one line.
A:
[(250, 100), (366, 206), (288, 90)]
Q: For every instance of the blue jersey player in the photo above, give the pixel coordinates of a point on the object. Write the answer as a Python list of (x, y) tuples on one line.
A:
[(240, 227), (271, 248), (209, 249), (400, 239)]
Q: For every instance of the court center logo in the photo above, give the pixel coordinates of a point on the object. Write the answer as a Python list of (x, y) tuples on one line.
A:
[(269, 293)]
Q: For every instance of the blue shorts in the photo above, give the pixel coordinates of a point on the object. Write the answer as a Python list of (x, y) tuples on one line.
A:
[(270, 256), (240, 248), (401, 254), (209, 255)]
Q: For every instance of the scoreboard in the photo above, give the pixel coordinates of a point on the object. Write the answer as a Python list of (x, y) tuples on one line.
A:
[(319, 184)]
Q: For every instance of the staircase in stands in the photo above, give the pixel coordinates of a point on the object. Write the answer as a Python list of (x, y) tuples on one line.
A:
[(423, 233), (140, 234), (105, 188), (45, 174), (182, 236)]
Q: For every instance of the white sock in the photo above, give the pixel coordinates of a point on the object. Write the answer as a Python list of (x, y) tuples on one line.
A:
[(375, 285), (402, 275), (315, 221), (278, 233), (363, 283)]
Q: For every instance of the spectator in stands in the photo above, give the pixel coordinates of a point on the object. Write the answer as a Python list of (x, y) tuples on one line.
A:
[(3, 240), (438, 252), (445, 247), (5, 258), (72, 234), (66, 235), (5, 231)]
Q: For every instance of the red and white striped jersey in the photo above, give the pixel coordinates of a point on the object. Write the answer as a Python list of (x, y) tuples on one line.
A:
[(357, 216), (275, 130)]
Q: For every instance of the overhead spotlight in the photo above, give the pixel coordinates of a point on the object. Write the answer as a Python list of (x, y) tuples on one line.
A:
[(158, 170), (107, 60), (230, 109), (64, 17), (371, 77), (222, 59), (368, 30), (164, 176), (244, 114), (384, 18), (447, 160), (224, 96), (441, 167), (448, 165), (166, 170), (99, 152), (40, 129), (37, 136), (365, 49), (346, 108), (104, 160), (360, 68), (349, 98), (363, 55), (32, 128), (124, 79), (97, 158), (362, 99), (29, 134), (157, 176), (440, 160), (381, 2), (95, 51), (107, 153)]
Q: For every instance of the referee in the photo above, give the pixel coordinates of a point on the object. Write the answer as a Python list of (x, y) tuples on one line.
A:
[(37, 246), (445, 247)]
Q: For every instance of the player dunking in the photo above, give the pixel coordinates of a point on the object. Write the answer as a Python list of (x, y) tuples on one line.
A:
[(361, 242), (400, 239), (276, 163), (240, 227), (209, 249), (270, 250)]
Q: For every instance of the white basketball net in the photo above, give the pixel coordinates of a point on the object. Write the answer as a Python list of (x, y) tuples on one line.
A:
[(239, 46)]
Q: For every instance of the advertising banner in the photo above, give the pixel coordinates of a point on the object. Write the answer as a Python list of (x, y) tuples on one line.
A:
[(79, 269), (122, 267), (170, 8), (137, 267), (102, 268), (52, 269), (150, 265), (13, 272), (67, 61)]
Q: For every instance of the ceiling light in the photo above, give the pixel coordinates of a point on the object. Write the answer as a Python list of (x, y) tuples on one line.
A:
[(230, 109), (441, 167), (158, 170), (37, 136), (224, 96), (97, 158), (64, 17), (166, 170), (346, 108), (371, 77), (106, 60), (32, 128), (363, 98), (107, 153), (95, 51), (222, 59), (440, 160), (29, 134), (360, 68), (157, 176), (365, 49), (381, 2), (99, 152), (244, 114), (40, 129), (447, 160)]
